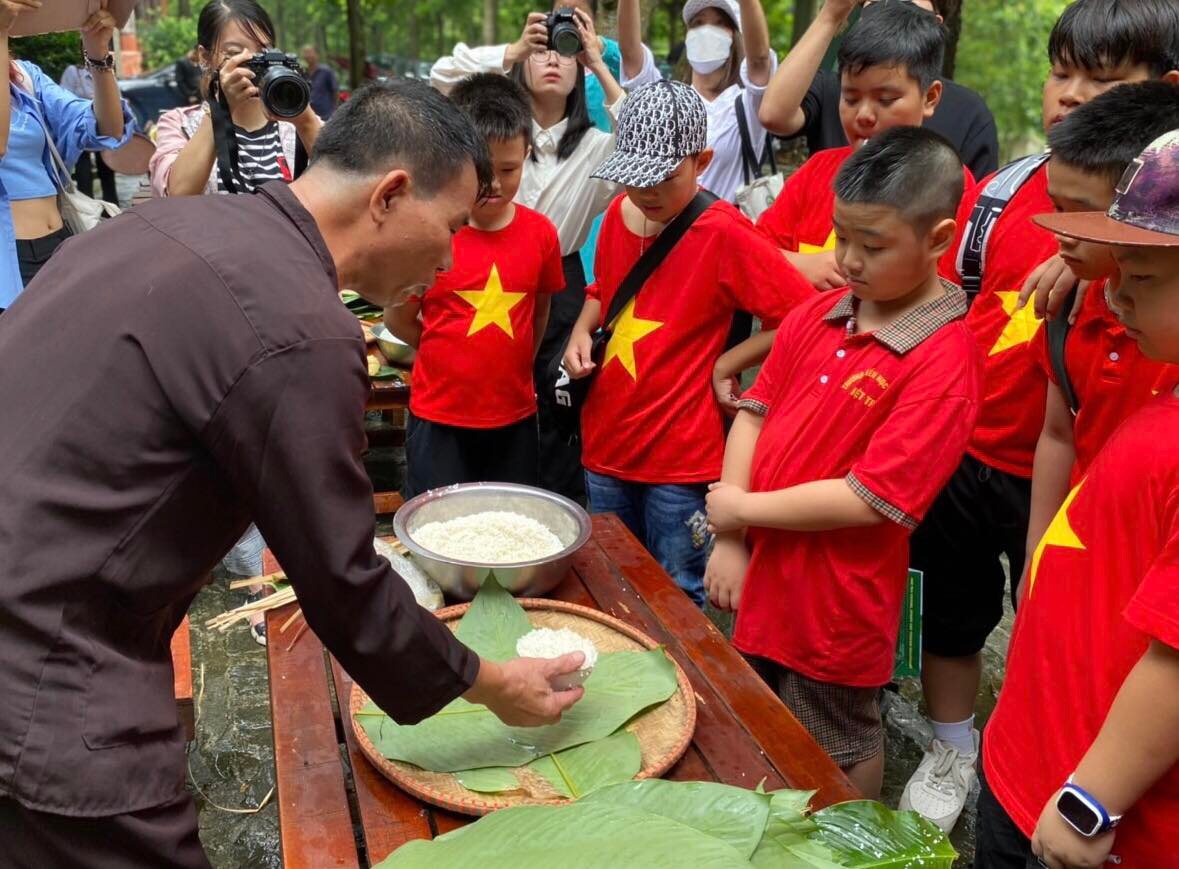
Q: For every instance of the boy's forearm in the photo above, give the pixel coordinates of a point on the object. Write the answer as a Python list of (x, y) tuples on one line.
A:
[(739, 448), (1139, 741), (540, 320), (782, 103), (821, 505), (587, 320), (1052, 468), (750, 352)]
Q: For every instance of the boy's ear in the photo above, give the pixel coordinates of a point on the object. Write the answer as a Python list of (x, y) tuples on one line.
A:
[(703, 161), (941, 236), (933, 96)]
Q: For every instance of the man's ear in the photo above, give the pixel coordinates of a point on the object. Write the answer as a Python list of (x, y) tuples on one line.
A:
[(389, 192), (933, 96), (941, 236), (704, 160), (1171, 77)]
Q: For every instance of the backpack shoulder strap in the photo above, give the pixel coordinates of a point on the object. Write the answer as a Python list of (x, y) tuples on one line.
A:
[(749, 162), (1057, 330), (999, 191)]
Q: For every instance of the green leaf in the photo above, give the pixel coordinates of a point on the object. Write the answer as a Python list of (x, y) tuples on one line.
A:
[(493, 780), (582, 835), (576, 772), (735, 816), (494, 622), (465, 736), (386, 372), (865, 834)]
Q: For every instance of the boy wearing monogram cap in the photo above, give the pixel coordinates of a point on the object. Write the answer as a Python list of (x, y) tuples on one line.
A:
[(653, 435)]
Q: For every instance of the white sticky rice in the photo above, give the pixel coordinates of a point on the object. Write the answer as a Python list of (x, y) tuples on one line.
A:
[(425, 590), (550, 643), (491, 537)]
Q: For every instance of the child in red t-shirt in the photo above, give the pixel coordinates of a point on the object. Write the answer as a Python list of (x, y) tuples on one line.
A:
[(976, 531), (1080, 753), (1109, 376), (472, 410), (653, 436), (858, 417)]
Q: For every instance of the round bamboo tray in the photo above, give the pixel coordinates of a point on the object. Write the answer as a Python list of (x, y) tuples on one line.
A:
[(663, 732)]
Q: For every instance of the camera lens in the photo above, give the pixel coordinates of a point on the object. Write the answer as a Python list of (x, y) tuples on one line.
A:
[(285, 93), (565, 39)]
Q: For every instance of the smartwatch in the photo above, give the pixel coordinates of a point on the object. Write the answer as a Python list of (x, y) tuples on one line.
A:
[(1083, 812)]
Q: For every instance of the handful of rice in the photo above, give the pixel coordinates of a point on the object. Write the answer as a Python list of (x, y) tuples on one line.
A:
[(490, 537), (550, 643)]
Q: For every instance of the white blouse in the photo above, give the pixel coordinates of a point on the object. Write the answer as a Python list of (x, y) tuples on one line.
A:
[(724, 177), (561, 190)]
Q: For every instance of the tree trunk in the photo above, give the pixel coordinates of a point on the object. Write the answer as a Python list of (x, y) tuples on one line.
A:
[(184, 8), (952, 10), (490, 21), (804, 14), (355, 44), (607, 23)]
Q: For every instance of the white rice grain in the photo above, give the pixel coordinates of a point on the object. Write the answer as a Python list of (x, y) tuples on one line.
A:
[(550, 643), (490, 537)]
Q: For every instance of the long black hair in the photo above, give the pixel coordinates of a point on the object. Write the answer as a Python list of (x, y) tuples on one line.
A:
[(576, 111), (218, 13)]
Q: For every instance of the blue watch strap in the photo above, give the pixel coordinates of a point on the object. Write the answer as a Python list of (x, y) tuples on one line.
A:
[(1108, 821)]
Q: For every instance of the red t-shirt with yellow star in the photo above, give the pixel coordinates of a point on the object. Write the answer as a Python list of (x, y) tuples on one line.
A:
[(650, 416), (1012, 413), (1112, 378), (1102, 585), (474, 363), (801, 218)]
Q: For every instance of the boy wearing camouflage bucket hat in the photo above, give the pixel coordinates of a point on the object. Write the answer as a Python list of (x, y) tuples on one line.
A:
[(1079, 756), (653, 435)]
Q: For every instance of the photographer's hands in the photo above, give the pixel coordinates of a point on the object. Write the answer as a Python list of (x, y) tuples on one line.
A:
[(534, 37)]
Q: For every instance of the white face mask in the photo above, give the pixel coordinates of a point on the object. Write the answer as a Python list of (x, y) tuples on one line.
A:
[(708, 47)]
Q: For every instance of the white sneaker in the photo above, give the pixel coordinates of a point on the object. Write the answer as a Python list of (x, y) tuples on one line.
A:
[(937, 791)]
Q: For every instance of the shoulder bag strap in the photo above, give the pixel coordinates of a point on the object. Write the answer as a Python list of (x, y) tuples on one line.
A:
[(1057, 332), (995, 196), (655, 254), (65, 179), (750, 165)]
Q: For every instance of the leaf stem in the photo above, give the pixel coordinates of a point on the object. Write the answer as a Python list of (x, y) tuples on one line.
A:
[(574, 792)]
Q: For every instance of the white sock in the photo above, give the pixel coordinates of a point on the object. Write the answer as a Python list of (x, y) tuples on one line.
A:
[(959, 734)]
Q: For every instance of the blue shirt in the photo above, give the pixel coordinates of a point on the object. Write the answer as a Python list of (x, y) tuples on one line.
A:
[(74, 127), (324, 88)]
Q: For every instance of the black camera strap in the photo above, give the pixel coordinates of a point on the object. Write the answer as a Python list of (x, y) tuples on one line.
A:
[(225, 140)]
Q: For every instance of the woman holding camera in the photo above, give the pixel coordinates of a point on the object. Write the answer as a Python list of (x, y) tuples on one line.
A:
[(35, 111), (566, 148), (229, 34)]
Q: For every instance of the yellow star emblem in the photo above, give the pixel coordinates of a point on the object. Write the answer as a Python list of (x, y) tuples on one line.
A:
[(627, 331), (829, 244), (1022, 325), (1060, 533), (492, 305)]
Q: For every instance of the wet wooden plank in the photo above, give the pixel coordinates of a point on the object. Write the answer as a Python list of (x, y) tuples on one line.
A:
[(182, 678), (785, 743), (315, 821)]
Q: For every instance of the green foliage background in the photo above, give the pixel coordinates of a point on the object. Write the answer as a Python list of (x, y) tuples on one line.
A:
[(164, 39), (53, 52)]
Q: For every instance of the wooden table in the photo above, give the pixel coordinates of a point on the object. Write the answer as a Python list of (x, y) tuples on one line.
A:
[(743, 732)]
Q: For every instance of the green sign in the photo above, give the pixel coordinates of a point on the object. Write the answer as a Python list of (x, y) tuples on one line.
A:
[(908, 661)]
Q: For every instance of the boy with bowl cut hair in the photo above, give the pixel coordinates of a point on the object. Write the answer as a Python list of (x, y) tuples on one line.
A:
[(857, 418), (472, 412), (983, 513), (1080, 753), (653, 437)]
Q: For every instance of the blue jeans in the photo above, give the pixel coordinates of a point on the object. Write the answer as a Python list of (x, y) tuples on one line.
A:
[(667, 519)]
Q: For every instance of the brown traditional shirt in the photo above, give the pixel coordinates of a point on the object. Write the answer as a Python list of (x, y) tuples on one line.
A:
[(169, 376)]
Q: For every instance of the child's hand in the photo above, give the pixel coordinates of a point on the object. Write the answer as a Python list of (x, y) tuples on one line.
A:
[(724, 577), (1049, 285), (724, 507), (1061, 847), (727, 389), (578, 359), (820, 269)]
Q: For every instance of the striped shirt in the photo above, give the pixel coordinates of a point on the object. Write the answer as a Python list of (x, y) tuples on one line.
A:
[(260, 158)]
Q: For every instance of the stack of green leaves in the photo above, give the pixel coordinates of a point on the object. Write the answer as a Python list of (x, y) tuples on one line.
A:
[(676, 824), (588, 749)]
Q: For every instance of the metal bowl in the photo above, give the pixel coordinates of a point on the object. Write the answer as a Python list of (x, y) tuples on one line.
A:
[(461, 579), (395, 350)]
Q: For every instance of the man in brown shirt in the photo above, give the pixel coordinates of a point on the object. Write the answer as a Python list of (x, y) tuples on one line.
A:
[(169, 376)]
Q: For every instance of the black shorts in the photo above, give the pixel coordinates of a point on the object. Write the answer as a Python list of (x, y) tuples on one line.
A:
[(1000, 843), (441, 455), (982, 513)]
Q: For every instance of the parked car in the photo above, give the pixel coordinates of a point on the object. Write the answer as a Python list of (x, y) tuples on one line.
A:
[(152, 94)]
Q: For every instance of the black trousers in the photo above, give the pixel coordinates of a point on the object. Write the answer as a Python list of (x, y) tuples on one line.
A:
[(1000, 844), (84, 175), (33, 253), (560, 461), (439, 455), (155, 838)]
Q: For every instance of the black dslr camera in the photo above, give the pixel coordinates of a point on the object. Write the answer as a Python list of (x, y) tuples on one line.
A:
[(284, 90), (563, 36)]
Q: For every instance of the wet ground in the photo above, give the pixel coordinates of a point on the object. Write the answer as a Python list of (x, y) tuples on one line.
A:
[(231, 767)]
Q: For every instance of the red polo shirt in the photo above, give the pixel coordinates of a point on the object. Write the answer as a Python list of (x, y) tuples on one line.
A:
[(1110, 375), (474, 364), (650, 416), (1012, 414), (890, 412), (1101, 586)]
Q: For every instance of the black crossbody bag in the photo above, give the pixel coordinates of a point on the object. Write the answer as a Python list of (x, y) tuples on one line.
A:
[(568, 395)]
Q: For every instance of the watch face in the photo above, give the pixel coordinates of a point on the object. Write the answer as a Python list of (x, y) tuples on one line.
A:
[(1079, 814)]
